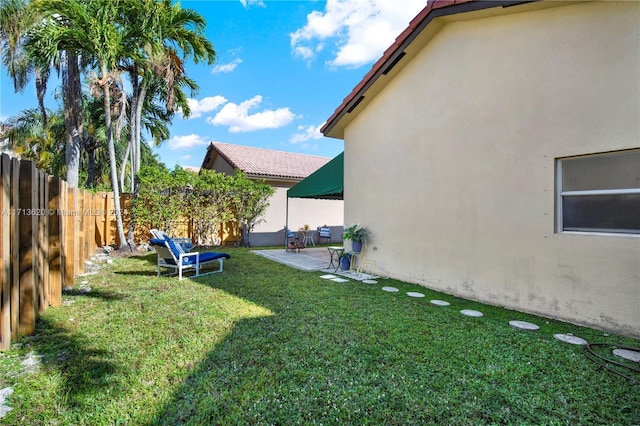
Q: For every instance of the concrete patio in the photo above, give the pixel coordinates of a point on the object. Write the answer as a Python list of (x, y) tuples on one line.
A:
[(307, 259), (310, 259)]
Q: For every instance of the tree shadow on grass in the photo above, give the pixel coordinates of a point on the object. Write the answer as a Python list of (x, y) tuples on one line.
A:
[(85, 369)]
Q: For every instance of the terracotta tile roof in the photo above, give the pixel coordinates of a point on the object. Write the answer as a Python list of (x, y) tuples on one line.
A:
[(433, 8), (266, 163)]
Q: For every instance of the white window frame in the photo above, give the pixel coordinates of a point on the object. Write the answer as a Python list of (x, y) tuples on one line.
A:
[(560, 194)]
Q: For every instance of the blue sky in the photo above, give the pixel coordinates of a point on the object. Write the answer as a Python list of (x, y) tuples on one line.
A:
[(282, 69)]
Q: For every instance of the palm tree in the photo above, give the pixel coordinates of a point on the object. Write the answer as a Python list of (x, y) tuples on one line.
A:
[(30, 138), (17, 17), (95, 29), (166, 30)]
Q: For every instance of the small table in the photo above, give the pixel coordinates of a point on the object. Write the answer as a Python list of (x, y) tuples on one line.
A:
[(335, 253), (307, 237)]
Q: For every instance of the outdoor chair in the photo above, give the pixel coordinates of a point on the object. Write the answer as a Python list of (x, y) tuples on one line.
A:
[(185, 243), (291, 242), (172, 256), (324, 232)]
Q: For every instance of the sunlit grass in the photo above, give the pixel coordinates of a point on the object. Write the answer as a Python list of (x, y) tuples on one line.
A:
[(263, 343)]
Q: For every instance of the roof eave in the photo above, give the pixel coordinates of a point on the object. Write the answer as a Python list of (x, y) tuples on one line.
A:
[(393, 55)]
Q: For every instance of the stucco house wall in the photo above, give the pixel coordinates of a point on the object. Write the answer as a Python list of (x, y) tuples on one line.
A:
[(461, 147)]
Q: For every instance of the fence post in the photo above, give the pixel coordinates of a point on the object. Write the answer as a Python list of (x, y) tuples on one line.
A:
[(5, 241), (27, 225)]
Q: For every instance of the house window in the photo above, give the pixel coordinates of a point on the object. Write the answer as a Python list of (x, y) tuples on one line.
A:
[(599, 193)]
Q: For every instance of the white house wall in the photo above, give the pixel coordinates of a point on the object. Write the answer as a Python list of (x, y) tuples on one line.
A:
[(301, 211), (452, 164)]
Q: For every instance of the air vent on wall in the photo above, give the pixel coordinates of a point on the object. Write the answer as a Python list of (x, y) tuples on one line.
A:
[(356, 103), (393, 63)]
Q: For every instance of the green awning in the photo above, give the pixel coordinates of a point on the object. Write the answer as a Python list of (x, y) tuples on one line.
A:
[(326, 183)]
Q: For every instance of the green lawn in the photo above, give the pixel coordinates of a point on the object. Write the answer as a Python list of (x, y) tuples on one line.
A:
[(263, 343)]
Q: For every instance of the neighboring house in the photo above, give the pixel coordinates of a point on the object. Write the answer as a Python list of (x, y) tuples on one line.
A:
[(281, 170), (494, 153)]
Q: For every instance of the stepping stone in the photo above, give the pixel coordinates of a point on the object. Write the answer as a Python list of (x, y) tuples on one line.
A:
[(523, 325), (328, 276), (370, 282), (339, 280), (440, 303), (414, 294), (627, 354), (390, 289), (471, 313), (570, 338)]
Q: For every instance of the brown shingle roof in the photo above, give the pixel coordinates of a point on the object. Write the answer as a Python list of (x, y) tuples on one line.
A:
[(394, 53), (265, 163)]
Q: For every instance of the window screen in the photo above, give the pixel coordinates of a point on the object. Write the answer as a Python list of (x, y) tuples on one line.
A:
[(600, 193)]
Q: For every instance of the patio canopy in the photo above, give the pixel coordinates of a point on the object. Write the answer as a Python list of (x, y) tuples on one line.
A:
[(326, 183)]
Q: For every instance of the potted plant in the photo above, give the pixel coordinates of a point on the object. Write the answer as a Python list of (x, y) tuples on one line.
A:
[(358, 236), (345, 261)]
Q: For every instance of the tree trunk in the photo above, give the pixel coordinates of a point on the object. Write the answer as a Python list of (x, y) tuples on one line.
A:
[(73, 119), (90, 146), (112, 159), (123, 166), (142, 95)]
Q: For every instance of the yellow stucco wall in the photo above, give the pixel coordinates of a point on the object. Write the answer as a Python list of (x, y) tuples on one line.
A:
[(458, 186)]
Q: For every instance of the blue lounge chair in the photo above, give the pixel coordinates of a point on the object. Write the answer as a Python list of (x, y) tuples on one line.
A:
[(185, 243), (171, 255)]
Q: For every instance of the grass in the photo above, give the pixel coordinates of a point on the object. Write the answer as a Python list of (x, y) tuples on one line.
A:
[(266, 344)]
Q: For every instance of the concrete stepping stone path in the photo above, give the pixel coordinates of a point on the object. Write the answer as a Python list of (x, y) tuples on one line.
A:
[(627, 354), (523, 325), (570, 338), (471, 313)]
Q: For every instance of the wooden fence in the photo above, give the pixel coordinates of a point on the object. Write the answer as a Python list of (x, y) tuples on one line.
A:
[(47, 232)]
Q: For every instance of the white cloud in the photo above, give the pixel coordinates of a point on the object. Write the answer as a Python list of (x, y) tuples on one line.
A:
[(360, 30), (224, 68), (187, 142), (247, 3), (238, 118), (208, 104), (307, 133)]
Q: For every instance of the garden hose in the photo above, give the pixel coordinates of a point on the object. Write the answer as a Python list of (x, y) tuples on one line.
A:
[(614, 366)]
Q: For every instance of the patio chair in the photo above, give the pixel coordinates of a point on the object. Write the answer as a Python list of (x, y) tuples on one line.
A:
[(171, 255), (185, 243), (291, 242), (324, 232)]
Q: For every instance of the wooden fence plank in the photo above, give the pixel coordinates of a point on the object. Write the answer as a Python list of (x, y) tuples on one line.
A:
[(80, 232), (54, 215), (15, 248), (44, 221), (43, 296), (5, 255), (70, 244), (27, 225), (64, 247)]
